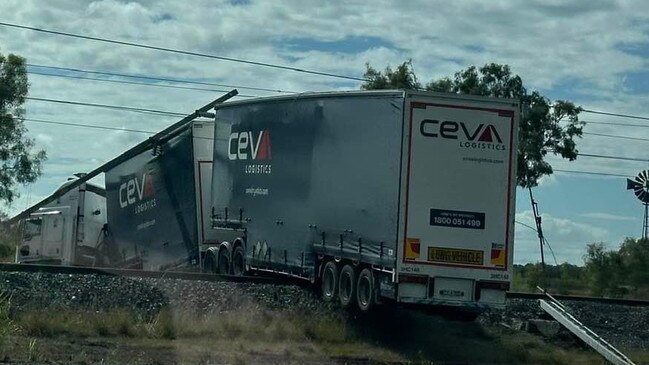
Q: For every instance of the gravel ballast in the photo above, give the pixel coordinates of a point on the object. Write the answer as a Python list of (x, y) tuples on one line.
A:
[(623, 326), (147, 296)]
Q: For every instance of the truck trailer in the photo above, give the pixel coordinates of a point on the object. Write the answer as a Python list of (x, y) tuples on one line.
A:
[(373, 195), (67, 231), (158, 200)]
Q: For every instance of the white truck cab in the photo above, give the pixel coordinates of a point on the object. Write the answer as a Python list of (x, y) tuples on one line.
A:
[(67, 231)]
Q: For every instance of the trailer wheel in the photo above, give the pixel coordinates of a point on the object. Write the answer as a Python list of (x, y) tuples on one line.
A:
[(347, 286), (224, 262), (365, 290), (238, 261), (329, 281), (209, 265)]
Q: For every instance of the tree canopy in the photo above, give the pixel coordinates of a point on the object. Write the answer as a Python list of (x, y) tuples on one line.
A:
[(545, 127), (19, 162)]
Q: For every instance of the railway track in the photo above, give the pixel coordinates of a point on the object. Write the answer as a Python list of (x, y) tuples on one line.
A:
[(264, 278), (267, 278), (579, 298)]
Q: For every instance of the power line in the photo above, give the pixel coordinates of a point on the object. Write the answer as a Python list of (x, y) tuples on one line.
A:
[(616, 136), (239, 60), (551, 250), (620, 124), (615, 114), (92, 126), (526, 225), (188, 53), (589, 173), (136, 83), (622, 158), (158, 78), (87, 126), (113, 107), (544, 240)]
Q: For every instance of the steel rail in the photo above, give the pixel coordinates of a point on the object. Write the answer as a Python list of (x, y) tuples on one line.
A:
[(580, 298), (134, 273)]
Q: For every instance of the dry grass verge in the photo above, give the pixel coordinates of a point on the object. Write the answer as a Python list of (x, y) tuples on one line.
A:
[(269, 326), (255, 335)]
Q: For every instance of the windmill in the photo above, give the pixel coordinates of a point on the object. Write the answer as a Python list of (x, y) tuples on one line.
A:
[(640, 187)]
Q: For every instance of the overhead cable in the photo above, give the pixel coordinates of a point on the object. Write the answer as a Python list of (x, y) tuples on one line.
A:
[(183, 52)]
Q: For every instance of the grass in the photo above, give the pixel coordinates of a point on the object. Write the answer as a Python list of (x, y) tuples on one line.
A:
[(271, 326), (256, 335), (7, 252), (7, 326)]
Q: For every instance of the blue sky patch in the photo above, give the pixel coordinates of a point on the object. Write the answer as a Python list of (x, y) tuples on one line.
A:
[(163, 18), (572, 89), (474, 48), (637, 82), (637, 49)]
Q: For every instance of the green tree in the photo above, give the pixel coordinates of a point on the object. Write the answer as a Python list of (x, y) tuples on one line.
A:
[(9, 239), (604, 270), (634, 256), (401, 78), (19, 162), (540, 132)]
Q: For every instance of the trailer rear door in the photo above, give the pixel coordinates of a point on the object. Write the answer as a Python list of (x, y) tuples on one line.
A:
[(459, 199)]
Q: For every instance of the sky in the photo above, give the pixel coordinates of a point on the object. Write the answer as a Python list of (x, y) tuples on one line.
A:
[(594, 53)]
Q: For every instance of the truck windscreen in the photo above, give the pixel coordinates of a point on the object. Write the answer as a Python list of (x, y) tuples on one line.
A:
[(32, 228)]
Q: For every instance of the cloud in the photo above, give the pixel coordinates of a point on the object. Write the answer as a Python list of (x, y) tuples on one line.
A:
[(568, 238), (608, 216)]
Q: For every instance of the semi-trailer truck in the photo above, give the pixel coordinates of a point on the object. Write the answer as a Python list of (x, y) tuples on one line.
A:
[(373, 195)]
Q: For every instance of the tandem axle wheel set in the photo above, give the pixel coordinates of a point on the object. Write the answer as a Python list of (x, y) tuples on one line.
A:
[(353, 286)]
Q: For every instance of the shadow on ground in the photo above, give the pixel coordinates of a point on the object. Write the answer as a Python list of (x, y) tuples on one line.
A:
[(419, 335)]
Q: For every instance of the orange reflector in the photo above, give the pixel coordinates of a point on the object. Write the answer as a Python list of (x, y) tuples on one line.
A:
[(498, 257), (413, 248)]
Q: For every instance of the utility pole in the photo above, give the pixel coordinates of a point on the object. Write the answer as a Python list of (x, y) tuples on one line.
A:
[(539, 229)]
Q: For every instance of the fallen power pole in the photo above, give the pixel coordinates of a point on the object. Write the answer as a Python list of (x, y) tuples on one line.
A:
[(560, 313), (154, 140)]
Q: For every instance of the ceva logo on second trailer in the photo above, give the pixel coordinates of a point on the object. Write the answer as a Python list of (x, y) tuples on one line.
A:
[(135, 190), (484, 136), (249, 145)]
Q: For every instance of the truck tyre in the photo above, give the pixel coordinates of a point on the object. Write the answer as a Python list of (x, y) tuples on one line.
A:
[(209, 265), (224, 262), (347, 286), (329, 282), (365, 290), (238, 261)]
